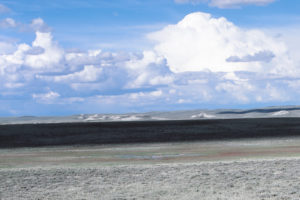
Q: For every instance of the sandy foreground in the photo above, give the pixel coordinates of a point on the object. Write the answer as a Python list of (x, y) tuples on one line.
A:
[(256, 169)]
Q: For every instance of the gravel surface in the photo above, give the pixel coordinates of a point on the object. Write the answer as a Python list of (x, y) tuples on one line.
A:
[(255, 179)]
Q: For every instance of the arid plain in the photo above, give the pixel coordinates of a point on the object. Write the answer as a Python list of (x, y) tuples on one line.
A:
[(252, 154), (232, 169)]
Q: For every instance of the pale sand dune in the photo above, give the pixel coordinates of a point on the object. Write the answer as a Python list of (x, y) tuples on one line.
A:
[(276, 111)]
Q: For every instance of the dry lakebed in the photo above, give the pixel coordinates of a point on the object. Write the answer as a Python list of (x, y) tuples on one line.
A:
[(232, 169)]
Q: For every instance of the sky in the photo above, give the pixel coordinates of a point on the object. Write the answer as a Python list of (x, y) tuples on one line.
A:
[(95, 56)]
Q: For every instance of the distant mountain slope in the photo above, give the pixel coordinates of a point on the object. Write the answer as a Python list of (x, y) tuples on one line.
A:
[(268, 112)]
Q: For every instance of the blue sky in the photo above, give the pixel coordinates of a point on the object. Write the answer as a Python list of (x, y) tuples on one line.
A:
[(106, 24), (94, 56)]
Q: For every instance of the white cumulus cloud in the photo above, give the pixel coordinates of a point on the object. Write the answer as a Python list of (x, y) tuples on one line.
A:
[(49, 57), (201, 42), (151, 69), (47, 98), (199, 61), (89, 73), (6, 47), (39, 25), (44, 55)]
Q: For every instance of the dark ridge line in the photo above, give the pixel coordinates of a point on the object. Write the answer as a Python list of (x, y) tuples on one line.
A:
[(268, 110), (98, 133)]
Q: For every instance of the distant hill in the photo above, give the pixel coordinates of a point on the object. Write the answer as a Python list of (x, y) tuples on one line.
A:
[(268, 112)]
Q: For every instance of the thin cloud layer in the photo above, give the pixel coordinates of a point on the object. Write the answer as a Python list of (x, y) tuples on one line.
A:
[(228, 3), (8, 23), (4, 9), (238, 3)]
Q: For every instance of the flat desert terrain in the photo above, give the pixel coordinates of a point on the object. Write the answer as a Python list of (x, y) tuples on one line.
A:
[(232, 169)]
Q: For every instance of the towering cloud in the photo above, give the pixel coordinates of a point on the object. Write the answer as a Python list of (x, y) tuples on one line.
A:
[(201, 42), (44, 52)]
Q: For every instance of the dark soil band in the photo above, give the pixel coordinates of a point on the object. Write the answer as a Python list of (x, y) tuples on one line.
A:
[(95, 133)]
